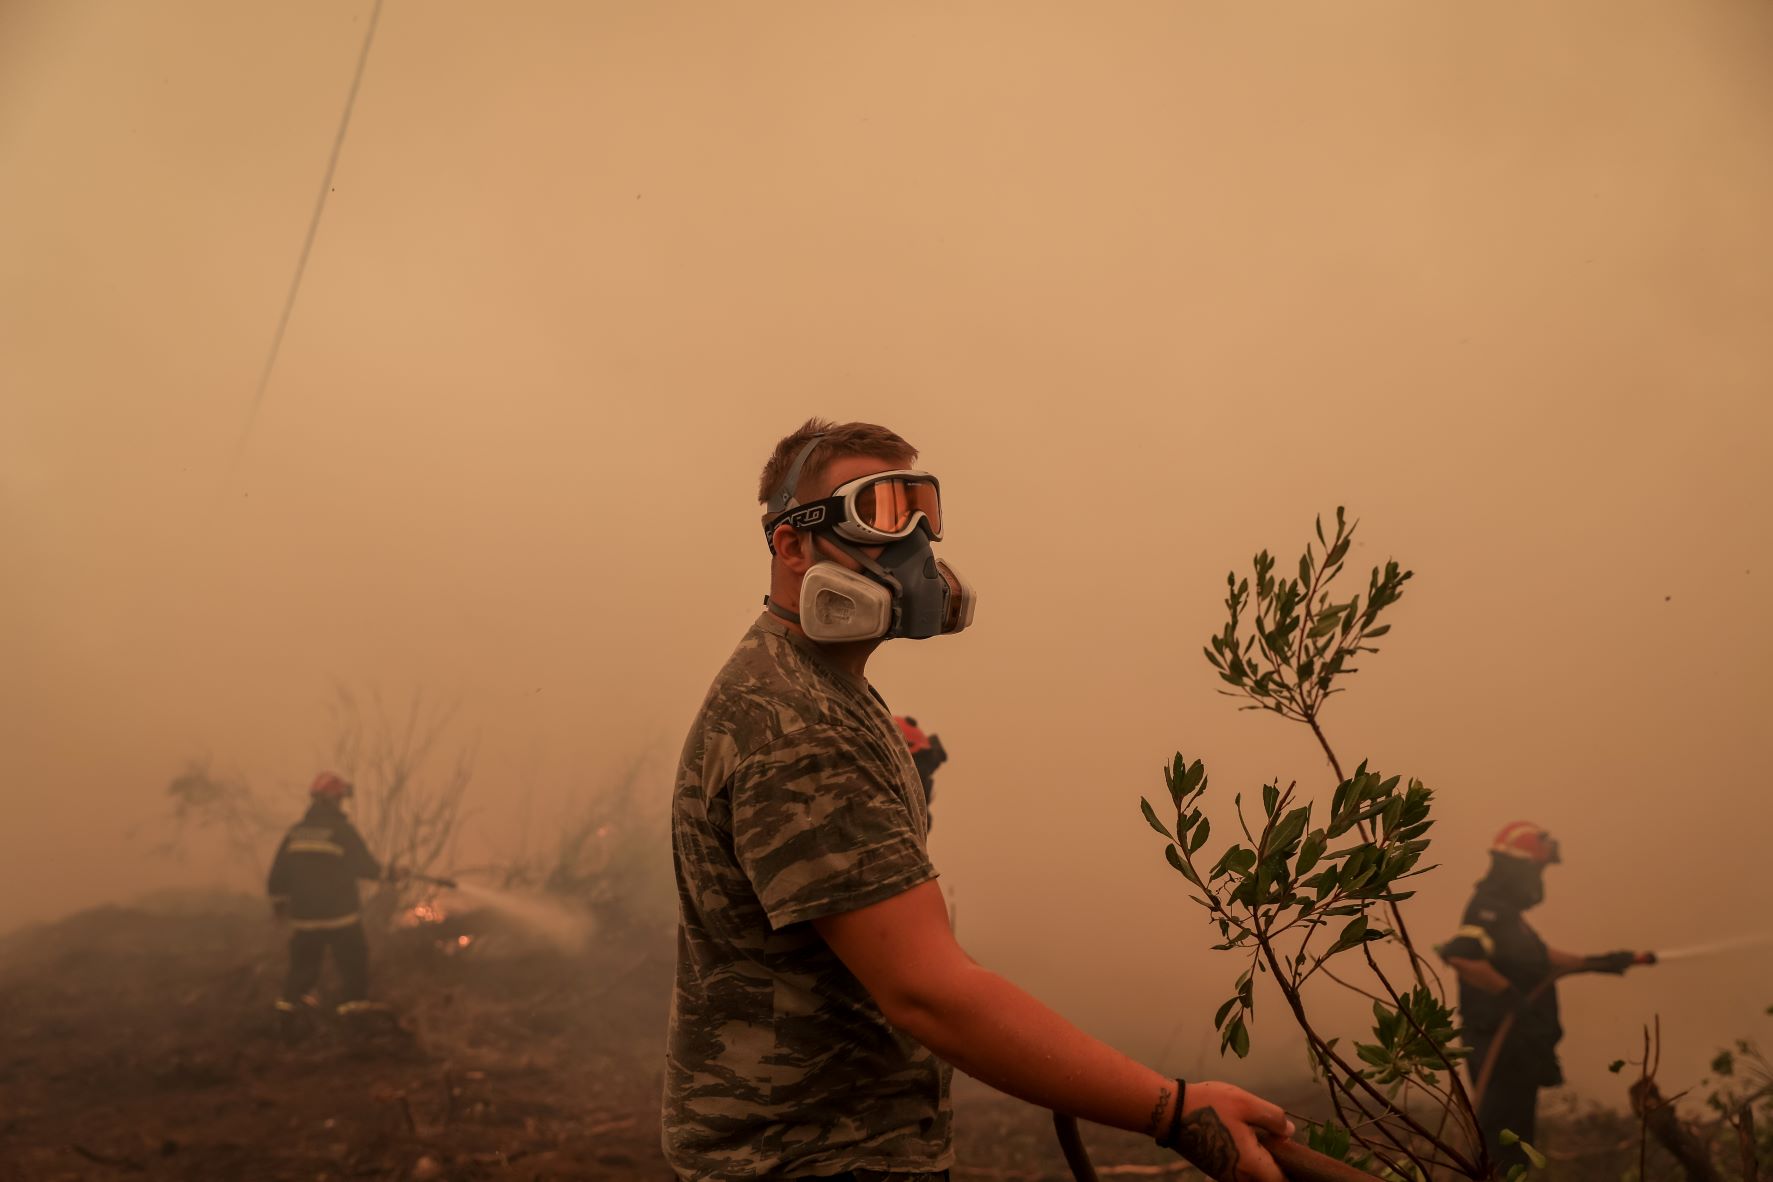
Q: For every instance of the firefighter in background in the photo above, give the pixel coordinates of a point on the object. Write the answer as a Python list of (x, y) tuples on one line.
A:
[(1508, 1001), (314, 889), (926, 752)]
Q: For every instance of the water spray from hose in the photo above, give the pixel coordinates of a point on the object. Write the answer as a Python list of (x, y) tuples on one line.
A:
[(1717, 947), (565, 927)]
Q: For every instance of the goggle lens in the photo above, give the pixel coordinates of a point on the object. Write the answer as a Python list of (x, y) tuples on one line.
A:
[(892, 504)]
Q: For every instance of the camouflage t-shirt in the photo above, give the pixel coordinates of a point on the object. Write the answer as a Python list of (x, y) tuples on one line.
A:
[(795, 799)]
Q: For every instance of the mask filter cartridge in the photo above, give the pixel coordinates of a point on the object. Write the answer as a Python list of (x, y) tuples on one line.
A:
[(838, 605)]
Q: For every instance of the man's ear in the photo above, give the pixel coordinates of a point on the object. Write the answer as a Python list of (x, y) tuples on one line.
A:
[(796, 550)]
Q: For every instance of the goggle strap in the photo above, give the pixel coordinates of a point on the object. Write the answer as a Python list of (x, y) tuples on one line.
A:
[(785, 493), (778, 502), (812, 515)]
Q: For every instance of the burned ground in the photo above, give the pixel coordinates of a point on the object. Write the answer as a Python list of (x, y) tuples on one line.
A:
[(142, 1042)]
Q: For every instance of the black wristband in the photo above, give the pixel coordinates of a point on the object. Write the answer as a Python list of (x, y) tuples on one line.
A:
[(1174, 1133)]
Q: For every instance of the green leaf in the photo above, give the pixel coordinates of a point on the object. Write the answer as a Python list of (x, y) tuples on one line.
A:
[(1182, 867), (1270, 797), (1616, 1066), (1151, 818), (1200, 836), (1219, 1018), (1509, 1137), (1265, 876), (1286, 833), (1311, 851), (1240, 1039), (1724, 1064), (1533, 1155), (1370, 1054), (1355, 932), (1236, 860)]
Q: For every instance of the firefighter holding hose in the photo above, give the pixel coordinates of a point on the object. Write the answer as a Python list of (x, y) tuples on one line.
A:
[(821, 1000), (1508, 1000), (313, 888)]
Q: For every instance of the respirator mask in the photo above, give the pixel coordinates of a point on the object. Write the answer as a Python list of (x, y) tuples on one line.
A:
[(905, 592)]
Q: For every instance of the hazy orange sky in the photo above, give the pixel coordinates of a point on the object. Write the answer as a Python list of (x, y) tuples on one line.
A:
[(1149, 284)]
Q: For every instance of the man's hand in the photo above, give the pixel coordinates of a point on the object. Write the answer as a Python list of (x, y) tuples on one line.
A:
[(1222, 1131), (1611, 962)]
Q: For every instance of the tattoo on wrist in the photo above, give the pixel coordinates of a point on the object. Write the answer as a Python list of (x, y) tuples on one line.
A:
[(1207, 1143), (1157, 1112)]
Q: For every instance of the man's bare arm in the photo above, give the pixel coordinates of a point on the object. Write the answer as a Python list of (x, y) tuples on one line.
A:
[(904, 953)]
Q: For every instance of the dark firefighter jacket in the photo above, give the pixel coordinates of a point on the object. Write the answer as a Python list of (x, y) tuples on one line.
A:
[(314, 876), (1494, 930)]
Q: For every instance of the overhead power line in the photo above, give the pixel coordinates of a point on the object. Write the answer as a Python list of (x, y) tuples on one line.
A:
[(295, 283)]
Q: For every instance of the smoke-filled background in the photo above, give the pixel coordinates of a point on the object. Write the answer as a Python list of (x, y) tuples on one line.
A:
[(1150, 285)]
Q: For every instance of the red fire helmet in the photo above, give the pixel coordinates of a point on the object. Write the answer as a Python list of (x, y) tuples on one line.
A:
[(914, 738), (332, 786), (1525, 840)]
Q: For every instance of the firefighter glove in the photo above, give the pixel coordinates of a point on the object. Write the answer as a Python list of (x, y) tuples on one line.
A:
[(1611, 962)]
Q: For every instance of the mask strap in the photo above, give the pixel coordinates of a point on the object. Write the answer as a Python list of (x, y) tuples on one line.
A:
[(868, 564)]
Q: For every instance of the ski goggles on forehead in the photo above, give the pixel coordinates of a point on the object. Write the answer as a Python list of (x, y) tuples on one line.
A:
[(875, 509)]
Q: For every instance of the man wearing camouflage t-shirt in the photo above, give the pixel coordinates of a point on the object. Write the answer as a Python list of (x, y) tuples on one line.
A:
[(821, 997)]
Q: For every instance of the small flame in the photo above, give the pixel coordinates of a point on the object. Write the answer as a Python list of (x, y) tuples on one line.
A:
[(464, 941), (605, 830), (423, 913)]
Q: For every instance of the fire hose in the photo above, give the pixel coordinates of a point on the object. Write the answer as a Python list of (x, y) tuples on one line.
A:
[(396, 875), (1298, 1162)]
